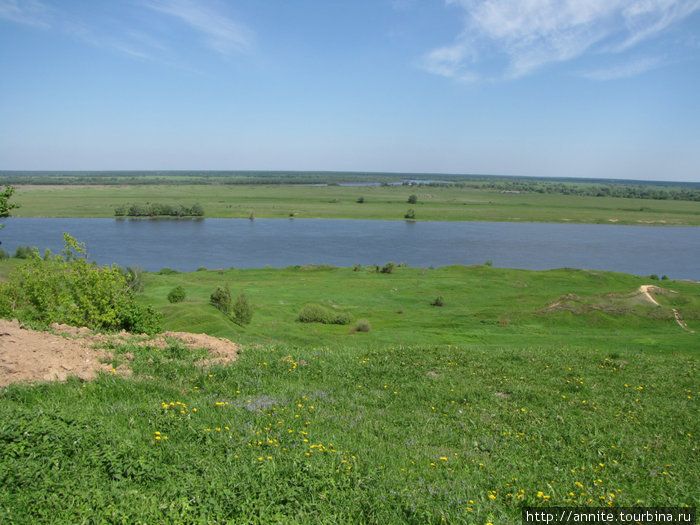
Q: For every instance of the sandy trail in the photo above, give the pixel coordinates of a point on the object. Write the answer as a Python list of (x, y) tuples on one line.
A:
[(647, 289)]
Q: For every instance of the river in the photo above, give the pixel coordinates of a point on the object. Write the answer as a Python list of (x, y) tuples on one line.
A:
[(188, 244)]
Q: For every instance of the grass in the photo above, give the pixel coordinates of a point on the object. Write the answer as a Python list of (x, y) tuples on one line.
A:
[(380, 202), (458, 414), (484, 305)]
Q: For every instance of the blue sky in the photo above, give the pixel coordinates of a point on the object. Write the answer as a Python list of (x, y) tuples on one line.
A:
[(568, 88)]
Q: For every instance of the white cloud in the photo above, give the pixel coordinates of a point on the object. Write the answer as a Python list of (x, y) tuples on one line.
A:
[(28, 12), (221, 34), (529, 34), (625, 69)]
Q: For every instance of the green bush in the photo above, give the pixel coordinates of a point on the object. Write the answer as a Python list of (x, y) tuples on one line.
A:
[(23, 252), (177, 295), (412, 199), (67, 289), (4, 254), (388, 267), (221, 299), (410, 214), (242, 310), (362, 325), (316, 313), (438, 301)]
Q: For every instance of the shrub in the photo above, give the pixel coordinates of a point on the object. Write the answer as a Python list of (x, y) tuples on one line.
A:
[(488, 262), (438, 301), (23, 252), (388, 267), (67, 289), (654, 277), (4, 254), (242, 310), (362, 325), (410, 214), (221, 299), (134, 277), (412, 199), (360, 200), (177, 295), (316, 313)]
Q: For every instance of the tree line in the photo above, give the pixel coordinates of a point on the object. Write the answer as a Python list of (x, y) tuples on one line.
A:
[(152, 209)]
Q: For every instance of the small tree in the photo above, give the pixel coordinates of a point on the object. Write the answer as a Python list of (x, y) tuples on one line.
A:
[(410, 214), (6, 206), (360, 200), (221, 299), (242, 310), (412, 199)]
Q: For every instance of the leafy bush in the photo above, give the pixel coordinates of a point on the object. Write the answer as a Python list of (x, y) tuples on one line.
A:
[(134, 276), (654, 277), (242, 310), (4, 254), (67, 289), (438, 301), (221, 299), (410, 214), (177, 295), (388, 267), (412, 199), (23, 252), (360, 200), (362, 325), (316, 313)]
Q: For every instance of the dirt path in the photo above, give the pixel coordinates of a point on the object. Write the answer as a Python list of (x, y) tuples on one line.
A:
[(31, 356), (644, 290), (647, 289)]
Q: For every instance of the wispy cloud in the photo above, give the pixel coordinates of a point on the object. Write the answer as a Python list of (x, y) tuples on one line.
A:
[(625, 69), (28, 12), (221, 33), (526, 35)]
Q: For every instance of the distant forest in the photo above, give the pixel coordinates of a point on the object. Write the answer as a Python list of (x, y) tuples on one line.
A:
[(658, 190)]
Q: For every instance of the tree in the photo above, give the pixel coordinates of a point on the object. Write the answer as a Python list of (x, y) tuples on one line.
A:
[(6, 206), (412, 199), (242, 310)]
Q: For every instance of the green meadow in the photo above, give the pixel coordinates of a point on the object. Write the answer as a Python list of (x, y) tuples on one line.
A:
[(436, 203), (563, 387)]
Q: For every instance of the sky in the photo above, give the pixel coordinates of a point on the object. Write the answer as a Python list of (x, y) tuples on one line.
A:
[(546, 88)]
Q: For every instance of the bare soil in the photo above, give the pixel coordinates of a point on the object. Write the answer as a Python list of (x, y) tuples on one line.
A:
[(31, 356)]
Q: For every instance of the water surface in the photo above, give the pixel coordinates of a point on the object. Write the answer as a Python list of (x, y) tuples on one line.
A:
[(188, 244)]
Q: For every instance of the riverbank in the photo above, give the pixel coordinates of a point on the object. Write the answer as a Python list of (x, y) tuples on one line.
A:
[(432, 203), (563, 388)]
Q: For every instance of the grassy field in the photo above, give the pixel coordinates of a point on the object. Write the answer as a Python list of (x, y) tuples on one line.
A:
[(539, 388), (380, 202)]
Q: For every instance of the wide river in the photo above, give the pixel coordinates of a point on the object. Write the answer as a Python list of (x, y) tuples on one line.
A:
[(189, 244)]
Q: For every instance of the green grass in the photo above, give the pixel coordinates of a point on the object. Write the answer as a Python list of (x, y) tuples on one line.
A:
[(453, 414), (283, 201), (483, 305)]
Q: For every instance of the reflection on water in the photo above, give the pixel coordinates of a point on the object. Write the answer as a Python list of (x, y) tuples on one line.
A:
[(187, 244)]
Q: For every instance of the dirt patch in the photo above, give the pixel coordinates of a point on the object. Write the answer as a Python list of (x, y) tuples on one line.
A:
[(31, 356)]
